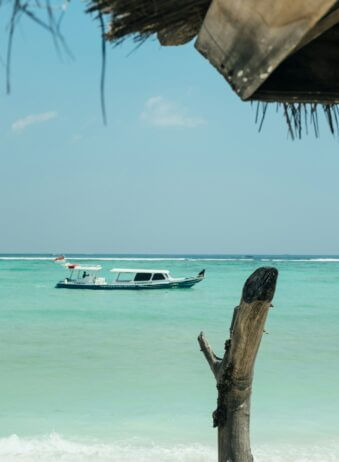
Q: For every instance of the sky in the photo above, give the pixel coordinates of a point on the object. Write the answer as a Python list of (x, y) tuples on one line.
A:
[(180, 166)]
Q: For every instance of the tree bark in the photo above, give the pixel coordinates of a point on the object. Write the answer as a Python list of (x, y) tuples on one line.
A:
[(234, 372)]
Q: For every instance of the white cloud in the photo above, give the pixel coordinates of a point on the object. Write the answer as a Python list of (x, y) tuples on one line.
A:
[(76, 137), (31, 119), (164, 113)]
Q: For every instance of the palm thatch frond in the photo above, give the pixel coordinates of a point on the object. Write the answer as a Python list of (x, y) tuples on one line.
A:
[(46, 15), (174, 21), (301, 118)]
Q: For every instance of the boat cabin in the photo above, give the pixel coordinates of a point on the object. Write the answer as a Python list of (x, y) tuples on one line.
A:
[(126, 275), (84, 274)]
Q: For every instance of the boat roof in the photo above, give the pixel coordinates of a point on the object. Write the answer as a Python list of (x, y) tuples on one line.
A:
[(82, 267), (138, 270)]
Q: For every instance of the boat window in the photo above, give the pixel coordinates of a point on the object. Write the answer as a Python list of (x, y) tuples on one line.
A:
[(125, 277), (143, 276), (158, 277)]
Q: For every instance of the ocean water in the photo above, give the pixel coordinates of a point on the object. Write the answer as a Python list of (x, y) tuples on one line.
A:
[(119, 377)]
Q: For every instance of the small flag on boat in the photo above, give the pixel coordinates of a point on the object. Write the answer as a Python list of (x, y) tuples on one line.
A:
[(60, 258), (201, 274)]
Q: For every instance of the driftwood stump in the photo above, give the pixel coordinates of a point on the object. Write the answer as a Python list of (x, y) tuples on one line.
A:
[(234, 373)]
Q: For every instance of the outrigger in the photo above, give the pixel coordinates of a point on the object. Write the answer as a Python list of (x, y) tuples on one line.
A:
[(85, 277)]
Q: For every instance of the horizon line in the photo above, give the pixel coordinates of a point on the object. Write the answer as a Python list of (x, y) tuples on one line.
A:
[(243, 254)]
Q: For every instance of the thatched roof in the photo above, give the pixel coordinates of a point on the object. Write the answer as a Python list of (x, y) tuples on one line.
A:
[(285, 52), (174, 21), (245, 40)]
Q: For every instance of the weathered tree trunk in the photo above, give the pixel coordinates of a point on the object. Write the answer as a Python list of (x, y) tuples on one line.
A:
[(234, 373)]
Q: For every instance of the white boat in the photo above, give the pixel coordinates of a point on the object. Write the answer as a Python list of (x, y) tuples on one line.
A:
[(86, 277)]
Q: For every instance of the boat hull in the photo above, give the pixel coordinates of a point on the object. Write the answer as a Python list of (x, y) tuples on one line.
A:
[(185, 284)]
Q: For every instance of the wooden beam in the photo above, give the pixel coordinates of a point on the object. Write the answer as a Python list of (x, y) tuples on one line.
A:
[(311, 75), (247, 39), (323, 25)]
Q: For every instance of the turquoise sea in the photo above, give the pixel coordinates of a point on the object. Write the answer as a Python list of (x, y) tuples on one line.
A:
[(118, 376)]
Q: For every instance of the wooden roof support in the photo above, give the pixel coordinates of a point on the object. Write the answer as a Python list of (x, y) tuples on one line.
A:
[(246, 40), (234, 373), (310, 75), (326, 23)]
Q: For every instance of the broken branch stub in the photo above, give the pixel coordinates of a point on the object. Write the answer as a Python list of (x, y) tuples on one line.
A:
[(234, 372)]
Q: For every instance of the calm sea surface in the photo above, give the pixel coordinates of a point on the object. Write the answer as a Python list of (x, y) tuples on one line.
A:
[(118, 376)]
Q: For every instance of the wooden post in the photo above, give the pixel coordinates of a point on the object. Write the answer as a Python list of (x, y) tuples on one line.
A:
[(234, 373)]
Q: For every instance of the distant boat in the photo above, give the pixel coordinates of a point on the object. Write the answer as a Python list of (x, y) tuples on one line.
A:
[(86, 277)]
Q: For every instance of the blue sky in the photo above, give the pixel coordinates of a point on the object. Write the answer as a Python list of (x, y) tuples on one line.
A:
[(180, 167)]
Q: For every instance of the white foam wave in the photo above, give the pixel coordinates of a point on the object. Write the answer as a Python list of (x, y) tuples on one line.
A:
[(55, 448), (302, 260), (130, 258), (27, 258), (221, 259), (328, 452), (325, 259), (188, 258)]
